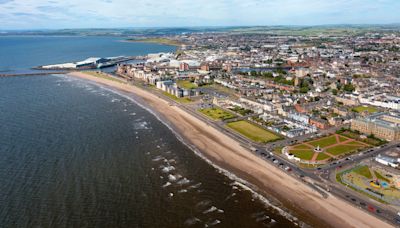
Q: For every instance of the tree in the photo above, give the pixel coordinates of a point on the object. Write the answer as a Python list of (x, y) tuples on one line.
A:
[(348, 88), (334, 92)]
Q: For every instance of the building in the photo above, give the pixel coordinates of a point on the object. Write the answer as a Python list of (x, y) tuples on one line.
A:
[(381, 125), (319, 123), (388, 161), (183, 66)]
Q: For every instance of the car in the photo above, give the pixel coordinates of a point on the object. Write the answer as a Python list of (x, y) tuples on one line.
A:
[(319, 168), (371, 208), (287, 168), (363, 204), (347, 159), (276, 161)]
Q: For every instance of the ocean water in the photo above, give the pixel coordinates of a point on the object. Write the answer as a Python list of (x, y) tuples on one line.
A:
[(18, 54), (74, 154)]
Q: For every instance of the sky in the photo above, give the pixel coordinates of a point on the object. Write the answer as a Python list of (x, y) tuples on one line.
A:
[(57, 14)]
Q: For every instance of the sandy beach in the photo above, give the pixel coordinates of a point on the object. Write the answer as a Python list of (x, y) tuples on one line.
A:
[(228, 154)]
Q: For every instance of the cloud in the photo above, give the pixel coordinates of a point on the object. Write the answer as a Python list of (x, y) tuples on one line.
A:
[(136, 13)]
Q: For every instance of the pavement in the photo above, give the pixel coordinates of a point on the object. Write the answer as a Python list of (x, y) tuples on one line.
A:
[(322, 179)]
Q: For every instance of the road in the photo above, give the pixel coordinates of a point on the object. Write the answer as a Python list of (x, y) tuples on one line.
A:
[(322, 180)]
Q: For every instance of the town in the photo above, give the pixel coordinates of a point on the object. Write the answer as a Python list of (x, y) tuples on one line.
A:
[(323, 108)]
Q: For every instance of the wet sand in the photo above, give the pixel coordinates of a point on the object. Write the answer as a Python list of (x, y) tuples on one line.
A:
[(268, 179)]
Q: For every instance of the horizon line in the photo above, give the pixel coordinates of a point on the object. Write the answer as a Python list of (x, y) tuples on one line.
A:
[(210, 26)]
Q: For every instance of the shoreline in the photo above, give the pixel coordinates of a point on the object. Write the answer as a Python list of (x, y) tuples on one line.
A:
[(228, 155)]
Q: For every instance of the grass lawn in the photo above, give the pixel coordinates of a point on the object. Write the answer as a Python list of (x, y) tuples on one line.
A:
[(241, 111), (217, 113), (178, 99), (303, 154), (363, 171), (253, 131), (324, 142), (355, 143), (186, 84), (342, 149), (301, 146), (278, 150), (342, 139), (369, 109), (322, 156), (381, 177)]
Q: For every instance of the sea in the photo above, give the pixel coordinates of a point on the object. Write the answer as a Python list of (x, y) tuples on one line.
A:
[(76, 154)]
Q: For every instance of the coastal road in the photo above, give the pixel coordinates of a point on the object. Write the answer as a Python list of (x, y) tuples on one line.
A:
[(320, 181)]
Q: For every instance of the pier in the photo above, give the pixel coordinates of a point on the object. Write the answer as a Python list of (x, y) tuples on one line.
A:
[(32, 74)]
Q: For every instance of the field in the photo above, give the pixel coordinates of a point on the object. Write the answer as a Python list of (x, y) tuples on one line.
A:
[(369, 109), (253, 131), (186, 84), (217, 113), (158, 41), (332, 146), (178, 99)]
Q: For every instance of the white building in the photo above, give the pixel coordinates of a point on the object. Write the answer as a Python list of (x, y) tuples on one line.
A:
[(388, 161)]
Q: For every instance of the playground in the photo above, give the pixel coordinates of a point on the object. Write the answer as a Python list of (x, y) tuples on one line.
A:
[(326, 148), (373, 181)]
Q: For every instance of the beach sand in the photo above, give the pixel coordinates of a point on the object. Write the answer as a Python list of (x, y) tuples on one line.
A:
[(229, 155)]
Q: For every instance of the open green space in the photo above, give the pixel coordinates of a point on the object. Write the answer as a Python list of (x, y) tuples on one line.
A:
[(178, 99), (368, 109), (241, 111), (253, 131), (324, 142), (381, 177), (322, 156), (342, 149), (303, 154), (355, 135), (185, 84), (217, 113), (158, 41), (301, 146), (363, 171), (342, 139)]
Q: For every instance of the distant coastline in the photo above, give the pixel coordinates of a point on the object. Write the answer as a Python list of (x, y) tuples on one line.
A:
[(164, 41)]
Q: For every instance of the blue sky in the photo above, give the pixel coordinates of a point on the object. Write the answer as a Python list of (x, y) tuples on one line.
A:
[(52, 14)]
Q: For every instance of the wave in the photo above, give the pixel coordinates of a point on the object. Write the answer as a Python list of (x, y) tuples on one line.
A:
[(239, 181)]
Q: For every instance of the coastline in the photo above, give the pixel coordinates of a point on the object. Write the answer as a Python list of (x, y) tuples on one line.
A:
[(226, 153), (162, 41)]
